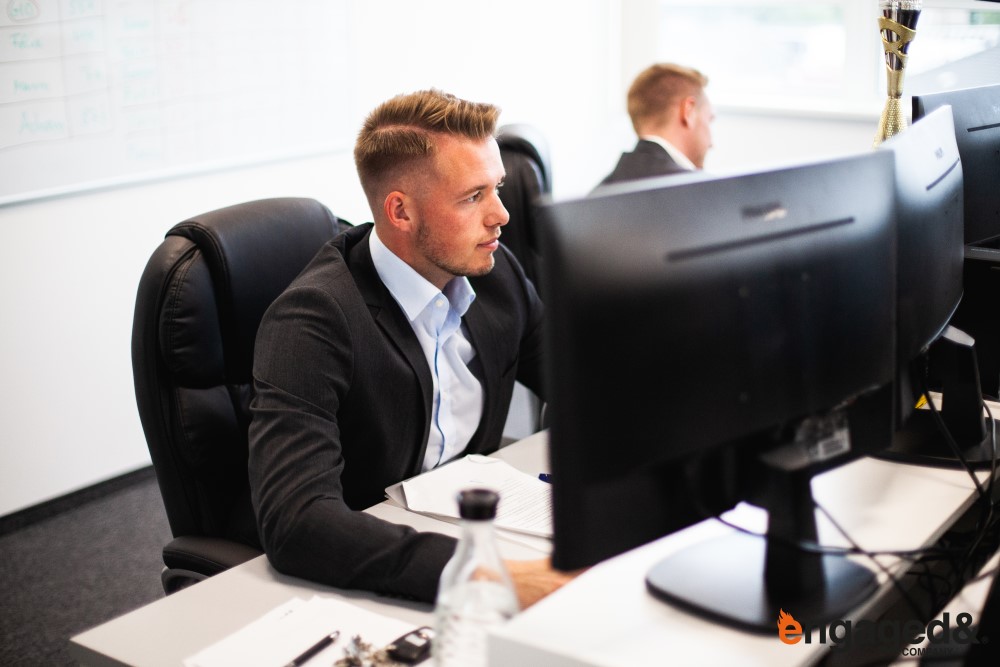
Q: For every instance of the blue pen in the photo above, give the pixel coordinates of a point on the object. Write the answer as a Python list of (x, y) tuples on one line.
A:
[(545, 477)]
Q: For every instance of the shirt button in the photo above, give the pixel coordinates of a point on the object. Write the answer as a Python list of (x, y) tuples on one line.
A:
[(439, 303)]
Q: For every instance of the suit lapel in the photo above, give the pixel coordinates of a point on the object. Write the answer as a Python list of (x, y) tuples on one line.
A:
[(483, 330), (391, 319)]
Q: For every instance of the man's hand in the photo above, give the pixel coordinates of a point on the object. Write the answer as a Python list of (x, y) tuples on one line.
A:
[(534, 579)]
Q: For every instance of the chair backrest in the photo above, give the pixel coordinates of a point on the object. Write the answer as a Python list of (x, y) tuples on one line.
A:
[(199, 304), (525, 156)]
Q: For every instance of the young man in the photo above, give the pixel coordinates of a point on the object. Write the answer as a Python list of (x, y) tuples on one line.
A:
[(394, 351), (672, 117)]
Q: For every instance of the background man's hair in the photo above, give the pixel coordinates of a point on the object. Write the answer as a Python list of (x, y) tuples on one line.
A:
[(658, 88), (400, 131)]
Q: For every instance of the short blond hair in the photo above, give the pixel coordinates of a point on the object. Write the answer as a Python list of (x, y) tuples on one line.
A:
[(400, 132), (658, 88)]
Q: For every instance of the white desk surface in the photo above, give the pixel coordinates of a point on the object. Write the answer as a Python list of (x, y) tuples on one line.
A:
[(606, 617), (603, 618), (176, 627)]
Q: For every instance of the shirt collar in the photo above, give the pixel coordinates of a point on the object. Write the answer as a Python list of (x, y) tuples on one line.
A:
[(410, 289), (672, 151)]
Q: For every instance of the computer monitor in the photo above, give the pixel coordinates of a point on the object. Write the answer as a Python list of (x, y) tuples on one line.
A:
[(976, 114), (717, 339), (930, 353), (929, 211)]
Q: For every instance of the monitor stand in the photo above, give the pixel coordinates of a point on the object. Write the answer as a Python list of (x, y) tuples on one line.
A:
[(920, 439), (746, 581)]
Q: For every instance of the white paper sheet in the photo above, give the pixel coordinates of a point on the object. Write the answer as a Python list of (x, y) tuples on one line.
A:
[(284, 633), (525, 501)]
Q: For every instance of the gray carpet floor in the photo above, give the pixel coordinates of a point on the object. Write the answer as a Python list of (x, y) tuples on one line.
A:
[(70, 572)]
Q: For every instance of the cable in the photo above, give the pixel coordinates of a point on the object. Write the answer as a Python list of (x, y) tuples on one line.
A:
[(811, 547), (985, 495), (872, 556), (956, 450)]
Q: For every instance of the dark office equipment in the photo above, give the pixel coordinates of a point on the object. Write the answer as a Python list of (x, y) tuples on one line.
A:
[(199, 303), (930, 246), (977, 133), (525, 156), (712, 340), (930, 214)]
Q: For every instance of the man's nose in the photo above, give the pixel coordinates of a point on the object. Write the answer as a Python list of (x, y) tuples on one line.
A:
[(503, 217)]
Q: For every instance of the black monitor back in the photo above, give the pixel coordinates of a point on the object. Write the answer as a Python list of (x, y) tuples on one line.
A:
[(929, 212), (693, 317), (976, 114)]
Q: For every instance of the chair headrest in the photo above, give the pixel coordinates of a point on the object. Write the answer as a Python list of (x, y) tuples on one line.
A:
[(528, 140), (253, 251)]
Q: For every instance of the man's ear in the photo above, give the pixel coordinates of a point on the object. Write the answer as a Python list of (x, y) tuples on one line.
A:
[(397, 207), (688, 107)]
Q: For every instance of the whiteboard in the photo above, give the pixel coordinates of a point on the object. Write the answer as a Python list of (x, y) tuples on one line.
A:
[(97, 93)]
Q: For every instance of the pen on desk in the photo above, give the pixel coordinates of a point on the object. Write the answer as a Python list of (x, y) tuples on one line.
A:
[(545, 477), (306, 655)]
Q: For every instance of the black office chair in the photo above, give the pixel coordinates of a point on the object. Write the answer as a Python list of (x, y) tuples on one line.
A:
[(199, 303), (525, 155)]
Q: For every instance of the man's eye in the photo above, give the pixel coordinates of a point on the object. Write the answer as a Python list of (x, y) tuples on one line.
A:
[(476, 197)]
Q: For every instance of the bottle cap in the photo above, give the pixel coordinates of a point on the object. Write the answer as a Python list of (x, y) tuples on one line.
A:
[(478, 504)]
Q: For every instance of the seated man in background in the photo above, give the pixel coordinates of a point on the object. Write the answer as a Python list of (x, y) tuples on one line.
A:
[(672, 116), (395, 350)]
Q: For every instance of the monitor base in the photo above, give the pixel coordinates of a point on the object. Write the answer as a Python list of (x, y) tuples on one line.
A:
[(920, 442), (738, 593)]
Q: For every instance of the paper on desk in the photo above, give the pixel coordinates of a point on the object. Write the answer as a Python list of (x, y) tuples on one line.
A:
[(525, 501), (285, 632)]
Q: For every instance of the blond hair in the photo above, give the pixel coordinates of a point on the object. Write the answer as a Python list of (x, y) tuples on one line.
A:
[(658, 88), (400, 132)]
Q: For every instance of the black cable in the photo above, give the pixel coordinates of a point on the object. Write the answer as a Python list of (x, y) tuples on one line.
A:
[(956, 556), (985, 495), (895, 582), (950, 440), (820, 549)]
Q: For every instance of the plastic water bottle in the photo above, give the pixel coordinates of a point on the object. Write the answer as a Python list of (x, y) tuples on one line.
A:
[(476, 591)]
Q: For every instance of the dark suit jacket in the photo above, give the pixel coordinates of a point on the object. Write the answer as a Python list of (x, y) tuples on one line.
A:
[(342, 410), (647, 159)]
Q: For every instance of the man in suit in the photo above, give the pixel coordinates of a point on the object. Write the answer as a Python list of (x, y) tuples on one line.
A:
[(672, 117), (395, 350)]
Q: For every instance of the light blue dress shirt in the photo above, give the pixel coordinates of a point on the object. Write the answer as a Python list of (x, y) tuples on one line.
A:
[(436, 318)]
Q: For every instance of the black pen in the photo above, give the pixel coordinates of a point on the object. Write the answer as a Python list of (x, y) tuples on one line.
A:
[(314, 649)]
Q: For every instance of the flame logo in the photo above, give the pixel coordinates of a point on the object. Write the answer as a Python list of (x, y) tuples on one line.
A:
[(789, 630)]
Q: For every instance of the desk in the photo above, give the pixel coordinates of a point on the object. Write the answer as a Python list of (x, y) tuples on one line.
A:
[(167, 631), (604, 618)]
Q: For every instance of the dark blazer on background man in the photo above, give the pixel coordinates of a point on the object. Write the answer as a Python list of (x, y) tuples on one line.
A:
[(647, 159), (342, 410)]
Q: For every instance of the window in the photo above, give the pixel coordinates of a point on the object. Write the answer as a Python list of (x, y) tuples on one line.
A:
[(955, 47), (822, 56)]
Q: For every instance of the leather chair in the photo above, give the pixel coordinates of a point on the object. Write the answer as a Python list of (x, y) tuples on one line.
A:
[(199, 303), (525, 155)]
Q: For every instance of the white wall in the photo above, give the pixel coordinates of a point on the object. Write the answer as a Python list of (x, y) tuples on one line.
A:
[(69, 266)]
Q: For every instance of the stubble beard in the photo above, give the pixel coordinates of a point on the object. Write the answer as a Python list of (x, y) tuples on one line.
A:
[(437, 256)]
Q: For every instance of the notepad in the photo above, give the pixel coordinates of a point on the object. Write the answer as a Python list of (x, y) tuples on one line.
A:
[(286, 631), (525, 501)]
